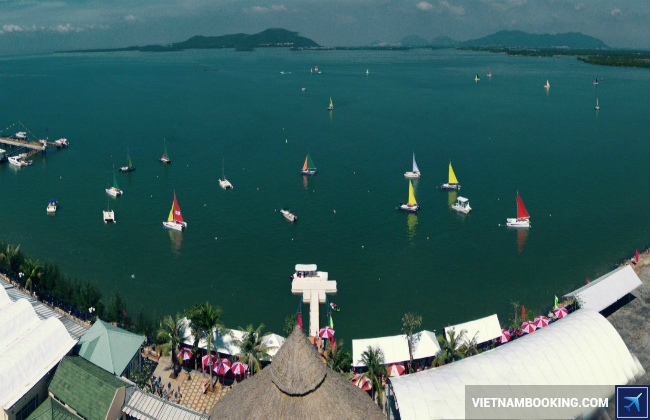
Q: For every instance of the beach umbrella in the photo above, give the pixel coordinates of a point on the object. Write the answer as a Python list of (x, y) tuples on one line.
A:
[(208, 360), (239, 368), (505, 336), (185, 354), (528, 327), (222, 367), (560, 312), (362, 382), (541, 321), (395, 369), (326, 332)]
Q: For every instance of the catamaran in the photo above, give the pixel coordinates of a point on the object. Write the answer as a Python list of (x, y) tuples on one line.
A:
[(453, 181), (109, 215), (523, 218), (416, 171), (223, 182), (331, 107), (289, 215), (165, 157), (115, 190), (175, 220), (308, 168), (547, 85), (476, 79), (51, 206), (461, 205), (129, 166), (412, 206), (597, 106)]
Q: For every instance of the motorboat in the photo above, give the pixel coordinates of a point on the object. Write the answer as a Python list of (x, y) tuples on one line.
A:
[(52, 205), (20, 160), (461, 205), (21, 135), (416, 171), (289, 215), (523, 218), (412, 206), (61, 143)]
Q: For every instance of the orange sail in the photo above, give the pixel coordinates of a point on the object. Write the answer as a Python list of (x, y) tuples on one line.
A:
[(177, 211), (521, 210), (305, 166)]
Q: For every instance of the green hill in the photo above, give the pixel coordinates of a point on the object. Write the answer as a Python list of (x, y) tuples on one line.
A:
[(520, 39)]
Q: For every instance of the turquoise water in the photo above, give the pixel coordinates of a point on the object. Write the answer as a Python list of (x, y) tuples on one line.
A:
[(582, 175)]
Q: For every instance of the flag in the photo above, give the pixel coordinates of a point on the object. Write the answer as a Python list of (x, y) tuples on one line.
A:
[(523, 312), (300, 321), (331, 322), (555, 307), (587, 280), (637, 255)]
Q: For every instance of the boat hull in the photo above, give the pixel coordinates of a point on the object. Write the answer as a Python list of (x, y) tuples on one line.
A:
[(51, 210), (127, 169), (329, 108), (109, 216), (311, 172), (450, 187), (179, 226), (412, 174), (113, 192), (225, 184), (166, 161), (289, 216), (409, 208), (518, 223), (461, 209)]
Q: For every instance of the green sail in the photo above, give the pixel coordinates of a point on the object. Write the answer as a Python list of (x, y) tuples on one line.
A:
[(115, 181), (130, 164), (310, 164)]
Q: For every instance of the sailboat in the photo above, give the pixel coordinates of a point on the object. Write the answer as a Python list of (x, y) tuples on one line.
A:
[(476, 79), (130, 166), (165, 157), (331, 107), (595, 81), (367, 72), (175, 220), (316, 69), (523, 218), (308, 168), (597, 106), (416, 171), (489, 73), (547, 85), (453, 181), (412, 206), (223, 182), (115, 190), (109, 215)]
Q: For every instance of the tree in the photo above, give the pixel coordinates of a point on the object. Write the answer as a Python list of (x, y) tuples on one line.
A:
[(411, 322), (193, 314), (289, 322), (116, 308), (374, 361), (451, 349), (32, 271), (209, 321), (252, 351), (337, 358), (10, 258), (172, 330)]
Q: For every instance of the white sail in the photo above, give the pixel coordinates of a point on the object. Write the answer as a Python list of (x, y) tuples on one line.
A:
[(415, 165)]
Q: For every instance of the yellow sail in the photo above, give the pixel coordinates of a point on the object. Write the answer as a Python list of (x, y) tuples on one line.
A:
[(452, 175), (411, 194), (331, 103), (171, 214)]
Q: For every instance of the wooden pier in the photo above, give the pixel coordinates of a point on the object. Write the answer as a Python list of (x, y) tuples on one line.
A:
[(34, 146)]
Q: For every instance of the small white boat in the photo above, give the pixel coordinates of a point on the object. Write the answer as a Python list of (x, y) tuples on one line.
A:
[(289, 215), (597, 106), (416, 171), (52, 205), (17, 161), (109, 216), (130, 166), (21, 135), (223, 182), (175, 219), (367, 72), (115, 190), (547, 85), (476, 79), (461, 205), (523, 218), (303, 89), (165, 157), (62, 143)]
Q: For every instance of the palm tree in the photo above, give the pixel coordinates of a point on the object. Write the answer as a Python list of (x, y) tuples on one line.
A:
[(451, 349), (411, 322), (172, 330), (32, 271), (374, 361), (252, 351), (337, 359), (208, 322), (193, 314), (9, 256)]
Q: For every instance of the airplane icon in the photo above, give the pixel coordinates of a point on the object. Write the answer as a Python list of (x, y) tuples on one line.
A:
[(634, 401)]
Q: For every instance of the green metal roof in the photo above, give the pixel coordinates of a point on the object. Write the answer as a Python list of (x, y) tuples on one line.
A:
[(51, 409), (86, 388), (109, 347)]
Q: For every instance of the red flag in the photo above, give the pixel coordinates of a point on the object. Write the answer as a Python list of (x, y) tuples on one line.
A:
[(587, 280), (637, 255), (300, 321), (523, 312)]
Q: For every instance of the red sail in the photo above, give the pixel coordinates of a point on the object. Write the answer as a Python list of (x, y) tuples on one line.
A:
[(521, 210), (177, 211)]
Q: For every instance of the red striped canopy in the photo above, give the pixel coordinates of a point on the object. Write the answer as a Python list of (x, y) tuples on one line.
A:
[(528, 327), (395, 369), (505, 336), (326, 332), (541, 321), (362, 382), (560, 312), (185, 354)]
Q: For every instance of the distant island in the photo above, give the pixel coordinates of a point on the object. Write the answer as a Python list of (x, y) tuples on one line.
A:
[(520, 39), (274, 37)]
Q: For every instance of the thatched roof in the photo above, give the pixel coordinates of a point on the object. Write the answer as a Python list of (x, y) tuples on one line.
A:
[(297, 385)]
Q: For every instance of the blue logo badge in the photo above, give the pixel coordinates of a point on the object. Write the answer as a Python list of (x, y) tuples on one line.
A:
[(632, 401)]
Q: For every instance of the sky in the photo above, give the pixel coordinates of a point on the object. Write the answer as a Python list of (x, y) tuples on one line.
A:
[(30, 26)]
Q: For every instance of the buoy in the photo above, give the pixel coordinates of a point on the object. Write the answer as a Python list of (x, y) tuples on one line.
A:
[(292, 239), (204, 205), (151, 195), (258, 188), (132, 276), (549, 215), (362, 247), (334, 211), (286, 140), (215, 238), (427, 238)]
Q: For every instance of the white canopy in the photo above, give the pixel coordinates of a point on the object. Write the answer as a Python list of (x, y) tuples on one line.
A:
[(462, 199), (16, 319), (306, 267), (485, 329), (606, 290), (581, 349), (4, 298), (395, 348)]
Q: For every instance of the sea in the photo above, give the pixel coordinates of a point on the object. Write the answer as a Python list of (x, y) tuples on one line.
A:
[(582, 174)]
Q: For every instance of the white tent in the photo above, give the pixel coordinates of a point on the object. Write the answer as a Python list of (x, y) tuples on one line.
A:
[(581, 349), (606, 290), (395, 348), (485, 329), (16, 319), (4, 298)]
